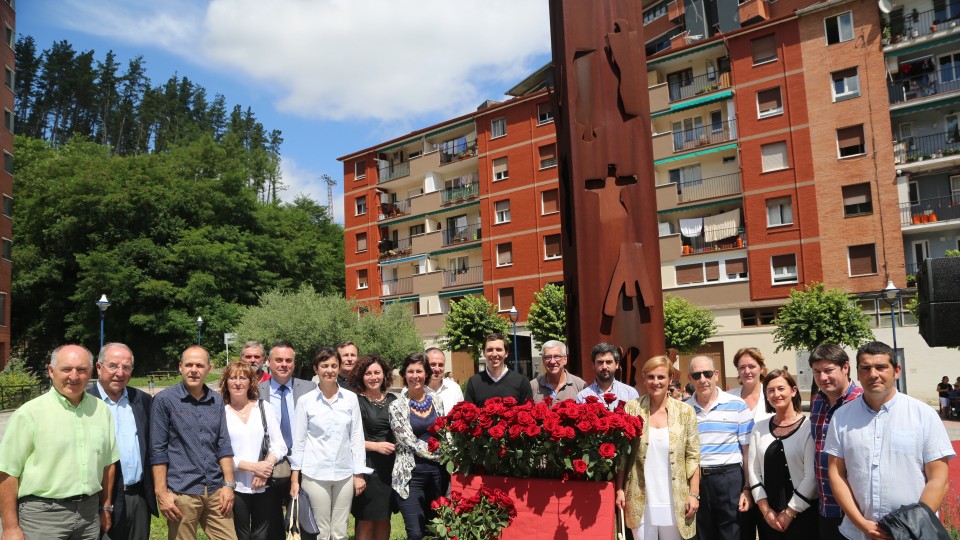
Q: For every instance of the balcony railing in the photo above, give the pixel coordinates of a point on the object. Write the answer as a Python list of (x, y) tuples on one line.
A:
[(933, 146), (394, 209), (925, 85), (390, 248), (921, 23), (468, 188), (457, 151), (392, 171), (463, 276), (458, 235), (930, 210), (713, 133), (708, 188), (701, 84), (732, 238), (396, 286)]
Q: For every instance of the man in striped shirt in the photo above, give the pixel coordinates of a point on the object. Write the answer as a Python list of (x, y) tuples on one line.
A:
[(724, 422)]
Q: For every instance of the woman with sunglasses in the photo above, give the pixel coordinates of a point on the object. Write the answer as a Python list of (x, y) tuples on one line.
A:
[(781, 464), (658, 484)]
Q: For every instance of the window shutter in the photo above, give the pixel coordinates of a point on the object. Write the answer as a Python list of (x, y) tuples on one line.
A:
[(736, 266), (689, 273), (863, 260), (551, 201)]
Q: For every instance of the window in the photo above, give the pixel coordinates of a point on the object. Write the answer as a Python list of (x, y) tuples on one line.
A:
[(8, 120), (8, 162), (913, 189), (417, 230), (505, 254), (712, 271), (505, 298), (8, 206), (846, 84), (764, 49), (779, 212), (544, 113), (550, 200), (360, 169), (10, 37), (716, 121), (769, 102), (551, 247), (548, 156), (955, 189), (758, 316), (362, 282), (784, 268), (361, 205), (857, 200), (686, 178), (953, 128), (689, 273), (498, 127), (863, 260), (680, 84), (729, 159), (361, 242), (6, 249), (500, 169), (3, 309), (654, 13), (839, 28), (736, 268), (8, 77), (502, 209), (850, 141), (773, 156)]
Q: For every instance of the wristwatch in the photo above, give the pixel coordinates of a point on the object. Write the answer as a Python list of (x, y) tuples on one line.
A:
[(231, 485), (107, 507), (695, 496)]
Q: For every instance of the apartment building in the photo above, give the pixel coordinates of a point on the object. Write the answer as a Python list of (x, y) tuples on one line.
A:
[(7, 57)]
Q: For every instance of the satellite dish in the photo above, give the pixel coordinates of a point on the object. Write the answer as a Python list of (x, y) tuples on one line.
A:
[(885, 6)]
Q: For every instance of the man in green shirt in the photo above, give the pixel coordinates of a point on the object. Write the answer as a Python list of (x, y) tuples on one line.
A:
[(57, 458)]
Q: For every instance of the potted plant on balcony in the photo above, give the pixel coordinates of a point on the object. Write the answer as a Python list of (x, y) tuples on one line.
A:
[(885, 36)]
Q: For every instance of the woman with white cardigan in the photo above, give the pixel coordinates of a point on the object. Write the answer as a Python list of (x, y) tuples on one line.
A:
[(781, 463)]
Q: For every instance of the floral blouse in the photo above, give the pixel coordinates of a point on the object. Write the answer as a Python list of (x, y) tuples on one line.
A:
[(408, 445)]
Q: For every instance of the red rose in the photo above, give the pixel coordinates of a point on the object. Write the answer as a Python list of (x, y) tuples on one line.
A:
[(509, 401), (442, 501), (525, 418), (593, 399), (485, 421), (608, 450), (502, 452), (579, 466), (433, 444), (497, 431), (459, 426), (585, 425), (476, 431), (609, 398), (440, 423), (532, 431), (548, 401), (515, 431)]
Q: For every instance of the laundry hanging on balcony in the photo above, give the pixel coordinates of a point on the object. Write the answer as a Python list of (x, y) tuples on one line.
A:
[(691, 228), (721, 226)]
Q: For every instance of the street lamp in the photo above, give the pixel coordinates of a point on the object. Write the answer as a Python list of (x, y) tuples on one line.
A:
[(103, 304), (891, 295), (515, 316), (199, 327)]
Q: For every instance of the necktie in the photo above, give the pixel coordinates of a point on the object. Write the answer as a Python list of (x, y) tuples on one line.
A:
[(285, 418)]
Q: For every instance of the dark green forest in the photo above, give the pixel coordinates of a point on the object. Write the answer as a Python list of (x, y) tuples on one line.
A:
[(155, 195)]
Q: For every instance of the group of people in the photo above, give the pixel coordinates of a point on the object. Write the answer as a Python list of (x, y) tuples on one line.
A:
[(744, 463), (949, 396)]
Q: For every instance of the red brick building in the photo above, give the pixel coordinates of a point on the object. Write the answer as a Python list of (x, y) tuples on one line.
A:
[(8, 21)]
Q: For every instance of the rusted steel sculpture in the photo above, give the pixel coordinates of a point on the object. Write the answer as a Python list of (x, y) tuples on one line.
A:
[(611, 257)]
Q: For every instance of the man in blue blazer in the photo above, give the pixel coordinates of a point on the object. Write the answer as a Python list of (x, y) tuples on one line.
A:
[(282, 391), (133, 500)]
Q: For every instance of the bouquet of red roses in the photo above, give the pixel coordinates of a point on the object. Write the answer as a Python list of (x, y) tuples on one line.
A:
[(481, 517), (568, 440)]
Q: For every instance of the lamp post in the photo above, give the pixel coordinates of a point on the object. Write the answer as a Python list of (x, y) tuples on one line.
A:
[(103, 304), (891, 295), (515, 316), (199, 328)]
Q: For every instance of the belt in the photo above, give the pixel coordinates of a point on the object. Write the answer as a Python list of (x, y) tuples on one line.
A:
[(707, 471), (134, 489), (74, 499)]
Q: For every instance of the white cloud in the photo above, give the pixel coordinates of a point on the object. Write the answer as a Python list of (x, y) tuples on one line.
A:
[(382, 59), (300, 181)]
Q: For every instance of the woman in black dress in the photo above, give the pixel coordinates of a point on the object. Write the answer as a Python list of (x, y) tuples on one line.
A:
[(370, 379)]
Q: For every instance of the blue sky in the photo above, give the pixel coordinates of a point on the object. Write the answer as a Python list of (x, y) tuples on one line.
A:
[(335, 76)]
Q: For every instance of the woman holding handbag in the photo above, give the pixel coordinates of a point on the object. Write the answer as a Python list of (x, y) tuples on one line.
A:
[(257, 444)]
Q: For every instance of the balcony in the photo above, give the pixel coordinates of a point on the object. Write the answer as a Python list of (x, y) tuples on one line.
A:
[(459, 235), (394, 209), (753, 11), (464, 276), (928, 147), (392, 249), (733, 238), (393, 171), (699, 85), (715, 133), (396, 286), (927, 85), (457, 150), (918, 24), (675, 10), (467, 189), (709, 188), (927, 211)]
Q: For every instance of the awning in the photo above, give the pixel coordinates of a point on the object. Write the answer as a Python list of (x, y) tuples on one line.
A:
[(425, 135), (921, 46), (926, 106), (461, 292), (414, 217), (470, 245), (689, 104), (685, 52), (402, 300), (411, 258), (695, 154), (696, 206)]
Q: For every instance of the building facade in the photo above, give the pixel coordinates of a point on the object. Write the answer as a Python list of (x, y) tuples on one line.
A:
[(8, 21)]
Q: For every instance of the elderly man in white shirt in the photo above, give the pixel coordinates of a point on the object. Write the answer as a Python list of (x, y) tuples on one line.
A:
[(445, 387)]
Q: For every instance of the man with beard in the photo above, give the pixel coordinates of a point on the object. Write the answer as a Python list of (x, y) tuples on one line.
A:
[(606, 387), (252, 353)]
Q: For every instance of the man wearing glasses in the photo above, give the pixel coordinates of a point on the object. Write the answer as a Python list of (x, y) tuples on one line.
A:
[(725, 422), (556, 382), (130, 515)]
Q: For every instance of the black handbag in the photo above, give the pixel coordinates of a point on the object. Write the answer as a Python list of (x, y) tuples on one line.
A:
[(281, 469)]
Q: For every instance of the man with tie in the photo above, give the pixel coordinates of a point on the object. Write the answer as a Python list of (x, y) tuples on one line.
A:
[(133, 499), (282, 391)]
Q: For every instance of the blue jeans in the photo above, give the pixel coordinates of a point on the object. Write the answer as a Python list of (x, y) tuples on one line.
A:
[(427, 483)]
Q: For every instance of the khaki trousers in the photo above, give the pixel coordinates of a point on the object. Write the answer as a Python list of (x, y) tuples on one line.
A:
[(203, 510)]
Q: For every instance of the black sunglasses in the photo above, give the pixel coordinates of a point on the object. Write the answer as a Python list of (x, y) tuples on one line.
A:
[(707, 373)]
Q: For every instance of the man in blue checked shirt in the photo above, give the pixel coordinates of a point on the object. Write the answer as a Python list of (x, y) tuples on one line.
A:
[(606, 387), (724, 422)]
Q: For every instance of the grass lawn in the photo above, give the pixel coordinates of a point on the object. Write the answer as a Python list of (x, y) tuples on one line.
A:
[(158, 529)]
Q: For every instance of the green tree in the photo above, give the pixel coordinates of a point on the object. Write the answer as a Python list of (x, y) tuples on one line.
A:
[(818, 315), (548, 315), (469, 321), (311, 320), (686, 326)]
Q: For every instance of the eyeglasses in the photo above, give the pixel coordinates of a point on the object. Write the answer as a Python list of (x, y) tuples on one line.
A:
[(553, 357), (113, 368), (706, 373)]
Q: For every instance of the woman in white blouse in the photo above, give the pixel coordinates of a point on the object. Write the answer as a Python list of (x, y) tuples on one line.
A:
[(781, 463), (246, 417), (328, 458)]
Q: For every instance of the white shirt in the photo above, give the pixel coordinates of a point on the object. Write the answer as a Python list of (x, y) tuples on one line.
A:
[(328, 436), (496, 379), (247, 438), (760, 411), (275, 398), (450, 393)]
